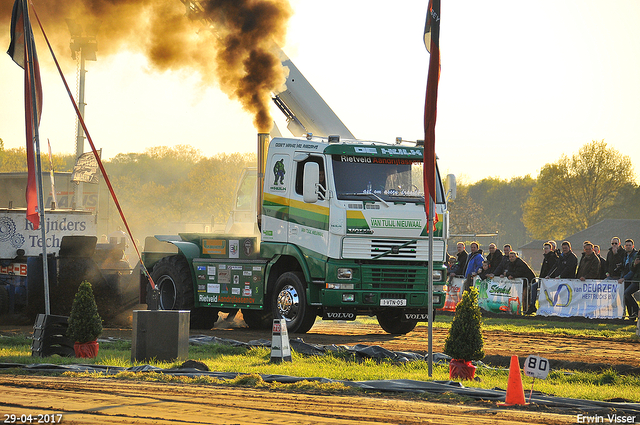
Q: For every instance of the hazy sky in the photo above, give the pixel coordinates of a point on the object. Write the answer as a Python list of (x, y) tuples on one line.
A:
[(521, 84)]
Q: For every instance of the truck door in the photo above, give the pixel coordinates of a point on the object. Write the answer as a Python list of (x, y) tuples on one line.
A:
[(309, 222), (277, 192)]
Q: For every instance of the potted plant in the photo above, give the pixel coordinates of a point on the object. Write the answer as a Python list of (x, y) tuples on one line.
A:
[(464, 342), (85, 324)]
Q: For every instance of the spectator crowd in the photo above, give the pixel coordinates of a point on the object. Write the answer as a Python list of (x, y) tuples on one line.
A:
[(621, 264)]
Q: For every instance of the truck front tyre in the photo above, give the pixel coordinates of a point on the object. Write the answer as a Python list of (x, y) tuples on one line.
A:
[(390, 322), (289, 302)]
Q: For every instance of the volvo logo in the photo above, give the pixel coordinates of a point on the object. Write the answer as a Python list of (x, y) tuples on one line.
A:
[(416, 316), (339, 315)]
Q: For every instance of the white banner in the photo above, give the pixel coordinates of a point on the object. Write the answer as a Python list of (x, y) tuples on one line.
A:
[(18, 233), (596, 299), (500, 295)]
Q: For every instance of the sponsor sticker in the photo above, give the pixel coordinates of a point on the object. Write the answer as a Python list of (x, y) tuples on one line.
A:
[(224, 276), (234, 249), (214, 246)]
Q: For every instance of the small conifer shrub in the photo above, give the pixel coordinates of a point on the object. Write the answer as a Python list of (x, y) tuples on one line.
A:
[(85, 324), (465, 341)]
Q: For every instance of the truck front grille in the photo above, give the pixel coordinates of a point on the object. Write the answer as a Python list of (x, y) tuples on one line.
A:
[(393, 277), (367, 248)]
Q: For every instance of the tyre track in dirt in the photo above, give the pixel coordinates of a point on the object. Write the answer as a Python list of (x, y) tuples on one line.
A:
[(82, 400)]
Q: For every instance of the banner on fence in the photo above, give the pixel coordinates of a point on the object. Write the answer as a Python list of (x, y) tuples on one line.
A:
[(500, 295), (596, 299), (497, 295)]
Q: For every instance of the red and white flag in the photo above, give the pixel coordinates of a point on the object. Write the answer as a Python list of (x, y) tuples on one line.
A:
[(23, 52)]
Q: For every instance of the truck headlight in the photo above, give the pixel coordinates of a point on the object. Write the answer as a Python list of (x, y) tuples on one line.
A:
[(345, 273), (339, 285), (437, 275)]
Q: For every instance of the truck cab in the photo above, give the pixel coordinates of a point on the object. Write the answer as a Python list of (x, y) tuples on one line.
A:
[(343, 233)]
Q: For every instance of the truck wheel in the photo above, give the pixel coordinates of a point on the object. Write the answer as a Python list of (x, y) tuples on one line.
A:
[(258, 319), (173, 279), (289, 302), (391, 323), (172, 276), (4, 300)]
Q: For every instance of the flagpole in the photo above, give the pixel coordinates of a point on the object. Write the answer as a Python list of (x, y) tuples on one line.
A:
[(29, 44), (431, 41), (431, 228)]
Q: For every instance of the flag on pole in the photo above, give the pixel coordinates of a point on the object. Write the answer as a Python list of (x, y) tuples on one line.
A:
[(86, 169), (22, 50), (431, 41)]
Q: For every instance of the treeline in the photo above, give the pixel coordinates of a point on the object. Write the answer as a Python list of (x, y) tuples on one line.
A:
[(160, 189), (165, 186), (567, 196)]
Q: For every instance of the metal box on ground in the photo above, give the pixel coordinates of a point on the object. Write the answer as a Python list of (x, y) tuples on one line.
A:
[(50, 337), (161, 335)]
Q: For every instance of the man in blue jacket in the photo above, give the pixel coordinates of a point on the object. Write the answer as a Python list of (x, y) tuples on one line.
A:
[(474, 263)]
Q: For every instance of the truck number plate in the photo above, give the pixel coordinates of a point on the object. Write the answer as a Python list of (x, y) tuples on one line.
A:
[(393, 303)]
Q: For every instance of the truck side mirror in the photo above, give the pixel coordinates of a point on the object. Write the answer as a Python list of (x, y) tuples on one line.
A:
[(310, 182), (450, 187)]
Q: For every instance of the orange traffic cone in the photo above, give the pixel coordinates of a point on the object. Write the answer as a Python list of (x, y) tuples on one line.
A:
[(515, 392)]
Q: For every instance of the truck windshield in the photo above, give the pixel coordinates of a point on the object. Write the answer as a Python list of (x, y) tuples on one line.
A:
[(387, 179)]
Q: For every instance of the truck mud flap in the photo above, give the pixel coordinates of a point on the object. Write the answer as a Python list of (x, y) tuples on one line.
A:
[(338, 314)]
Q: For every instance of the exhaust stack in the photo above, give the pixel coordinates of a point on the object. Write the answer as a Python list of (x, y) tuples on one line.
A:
[(263, 143)]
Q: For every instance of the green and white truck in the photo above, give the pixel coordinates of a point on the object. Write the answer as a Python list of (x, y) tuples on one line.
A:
[(339, 231)]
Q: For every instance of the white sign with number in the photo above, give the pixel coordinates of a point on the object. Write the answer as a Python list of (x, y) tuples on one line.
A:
[(536, 367)]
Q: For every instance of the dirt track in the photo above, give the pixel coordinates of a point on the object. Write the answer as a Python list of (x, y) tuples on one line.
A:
[(91, 401), (101, 401)]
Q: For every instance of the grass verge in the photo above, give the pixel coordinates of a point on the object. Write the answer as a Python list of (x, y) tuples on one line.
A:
[(603, 386)]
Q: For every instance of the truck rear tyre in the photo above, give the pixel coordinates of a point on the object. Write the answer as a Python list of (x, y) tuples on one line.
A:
[(391, 323), (257, 319), (289, 302), (172, 277)]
